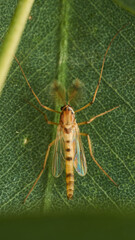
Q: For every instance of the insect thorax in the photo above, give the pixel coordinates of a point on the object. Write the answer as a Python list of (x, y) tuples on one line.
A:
[(67, 116)]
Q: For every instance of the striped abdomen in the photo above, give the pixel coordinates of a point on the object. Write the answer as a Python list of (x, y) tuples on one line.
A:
[(67, 121), (69, 168)]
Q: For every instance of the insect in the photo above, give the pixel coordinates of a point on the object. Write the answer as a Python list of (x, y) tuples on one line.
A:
[(68, 147)]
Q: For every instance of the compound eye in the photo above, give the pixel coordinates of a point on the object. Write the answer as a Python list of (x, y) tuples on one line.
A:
[(62, 107)]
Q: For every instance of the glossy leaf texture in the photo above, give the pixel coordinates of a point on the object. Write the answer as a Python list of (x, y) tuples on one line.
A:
[(65, 45)]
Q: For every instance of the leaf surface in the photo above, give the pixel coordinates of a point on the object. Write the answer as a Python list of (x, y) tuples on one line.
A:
[(65, 40)]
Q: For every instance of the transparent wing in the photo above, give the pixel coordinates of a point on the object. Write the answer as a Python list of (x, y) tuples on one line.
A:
[(79, 161), (58, 155)]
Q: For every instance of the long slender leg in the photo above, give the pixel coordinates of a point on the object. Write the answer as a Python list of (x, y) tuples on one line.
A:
[(99, 115), (46, 156), (90, 148), (46, 119), (90, 103), (47, 108)]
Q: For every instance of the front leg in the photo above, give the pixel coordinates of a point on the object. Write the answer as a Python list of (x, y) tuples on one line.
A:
[(45, 116)]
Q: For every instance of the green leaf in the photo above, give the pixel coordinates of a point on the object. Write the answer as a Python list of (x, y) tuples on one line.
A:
[(128, 5), (13, 37), (65, 40)]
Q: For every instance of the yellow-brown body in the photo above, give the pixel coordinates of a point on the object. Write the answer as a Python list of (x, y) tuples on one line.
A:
[(68, 125), (68, 131)]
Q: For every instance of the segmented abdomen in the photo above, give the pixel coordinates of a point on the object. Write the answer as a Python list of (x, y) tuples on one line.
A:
[(69, 168)]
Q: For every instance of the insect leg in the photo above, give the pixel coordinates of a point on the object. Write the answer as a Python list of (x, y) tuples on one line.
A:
[(47, 108), (46, 157), (90, 148), (45, 116), (93, 100), (99, 115)]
